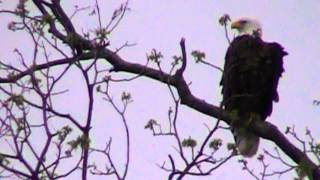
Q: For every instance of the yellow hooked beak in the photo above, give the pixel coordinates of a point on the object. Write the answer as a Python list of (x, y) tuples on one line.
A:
[(236, 25)]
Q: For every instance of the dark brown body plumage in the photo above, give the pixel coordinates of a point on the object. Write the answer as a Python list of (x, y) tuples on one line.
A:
[(251, 74)]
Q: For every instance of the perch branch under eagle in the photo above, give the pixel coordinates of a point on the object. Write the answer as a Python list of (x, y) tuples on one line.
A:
[(250, 79)]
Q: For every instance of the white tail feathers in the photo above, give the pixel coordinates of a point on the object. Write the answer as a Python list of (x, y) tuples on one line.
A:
[(246, 142)]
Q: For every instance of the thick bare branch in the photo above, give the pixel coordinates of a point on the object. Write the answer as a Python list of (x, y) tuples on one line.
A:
[(265, 130)]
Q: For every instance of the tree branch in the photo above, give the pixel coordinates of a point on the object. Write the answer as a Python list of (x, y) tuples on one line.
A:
[(265, 130)]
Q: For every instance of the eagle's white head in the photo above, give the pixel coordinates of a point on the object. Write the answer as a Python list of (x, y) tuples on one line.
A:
[(247, 26)]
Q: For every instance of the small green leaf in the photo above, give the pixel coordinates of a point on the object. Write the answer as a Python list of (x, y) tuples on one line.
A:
[(46, 19), (63, 133), (82, 141), (215, 144), (223, 20), (231, 146), (17, 99), (260, 157), (155, 56), (176, 60), (288, 129), (150, 124), (198, 55), (98, 88), (189, 143), (126, 96)]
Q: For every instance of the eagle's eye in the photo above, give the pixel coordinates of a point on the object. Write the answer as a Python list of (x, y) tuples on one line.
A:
[(243, 21)]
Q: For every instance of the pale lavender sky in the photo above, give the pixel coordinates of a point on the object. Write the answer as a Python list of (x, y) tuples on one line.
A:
[(161, 24)]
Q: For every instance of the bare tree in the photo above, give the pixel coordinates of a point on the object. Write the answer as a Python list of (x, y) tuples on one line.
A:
[(31, 88)]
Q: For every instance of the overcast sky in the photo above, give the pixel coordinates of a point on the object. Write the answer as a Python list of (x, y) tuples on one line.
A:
[(161, 24)]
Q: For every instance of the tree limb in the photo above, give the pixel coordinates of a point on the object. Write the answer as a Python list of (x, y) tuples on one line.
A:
[(265, 130)]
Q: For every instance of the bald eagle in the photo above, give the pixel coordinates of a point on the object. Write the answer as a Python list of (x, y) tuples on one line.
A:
[(250, 79)]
